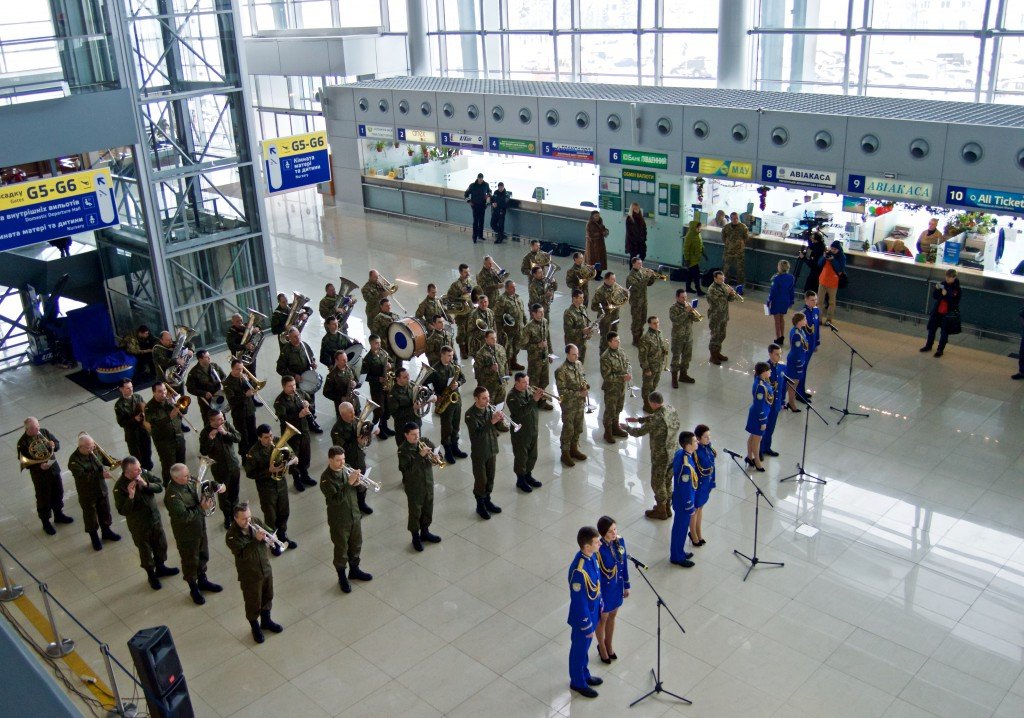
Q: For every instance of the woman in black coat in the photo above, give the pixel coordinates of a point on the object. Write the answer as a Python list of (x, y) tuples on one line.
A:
[(636, 233), (947, 303), (812, 255)]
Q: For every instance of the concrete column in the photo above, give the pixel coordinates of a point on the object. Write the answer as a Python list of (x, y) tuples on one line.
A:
[(467, 22), (734, 20), (419, 49)]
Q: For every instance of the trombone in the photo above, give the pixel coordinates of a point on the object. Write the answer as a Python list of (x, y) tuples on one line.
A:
[(390, 290), (255, 384), (106, 459), (547, 394), (181, 403)]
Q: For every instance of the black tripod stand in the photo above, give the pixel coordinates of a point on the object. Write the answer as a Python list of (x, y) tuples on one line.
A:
[(800, 474), (656, 672), (845, 411), (753, 559)]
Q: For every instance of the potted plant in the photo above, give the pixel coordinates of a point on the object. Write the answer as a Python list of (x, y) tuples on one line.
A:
[(379, 146)]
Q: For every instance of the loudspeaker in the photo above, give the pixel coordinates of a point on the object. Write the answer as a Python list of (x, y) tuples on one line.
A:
[(156, 661)]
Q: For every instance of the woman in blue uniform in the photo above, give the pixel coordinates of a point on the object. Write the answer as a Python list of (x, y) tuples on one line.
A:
[(796, 359), (611, 559), (684, 486), (704, 459), (781, 297), (757, 417)]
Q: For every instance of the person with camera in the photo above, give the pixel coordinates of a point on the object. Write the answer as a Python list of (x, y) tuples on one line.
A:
[(945, 313)]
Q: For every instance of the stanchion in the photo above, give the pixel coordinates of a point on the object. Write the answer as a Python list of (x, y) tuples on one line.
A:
[(9, 591), (58, 647), (125, 710)]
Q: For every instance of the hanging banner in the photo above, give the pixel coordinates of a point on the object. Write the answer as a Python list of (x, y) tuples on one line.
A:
[(40, 210), (377, 132), (893, 188), (714, 167), (563, 151), (799, 176), (296, 161), (425, 136), (991, 199), (655, 160), (462, 140), (508, 145)]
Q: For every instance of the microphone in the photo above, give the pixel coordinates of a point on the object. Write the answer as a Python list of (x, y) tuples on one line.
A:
[(832, 326), (637, 562), (733, 454)]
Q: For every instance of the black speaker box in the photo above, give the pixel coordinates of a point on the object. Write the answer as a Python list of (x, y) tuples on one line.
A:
[(156, 661)]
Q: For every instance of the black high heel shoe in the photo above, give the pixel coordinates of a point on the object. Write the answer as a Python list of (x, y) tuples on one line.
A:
[(748, 461), (759, 468)]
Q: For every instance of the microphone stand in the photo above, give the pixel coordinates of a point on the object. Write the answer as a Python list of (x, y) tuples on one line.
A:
[(656, 672), (802, 475), (845, 411), (753, 559)]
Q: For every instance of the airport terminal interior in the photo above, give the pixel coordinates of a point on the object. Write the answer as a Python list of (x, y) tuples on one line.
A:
[(225, 151)]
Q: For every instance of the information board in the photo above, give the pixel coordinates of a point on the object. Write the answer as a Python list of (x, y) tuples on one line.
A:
[(296, 161), (716, 167), (40, 210), (991, 199)]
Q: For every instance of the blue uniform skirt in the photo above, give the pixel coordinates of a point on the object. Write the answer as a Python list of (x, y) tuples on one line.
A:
[(754, 421)]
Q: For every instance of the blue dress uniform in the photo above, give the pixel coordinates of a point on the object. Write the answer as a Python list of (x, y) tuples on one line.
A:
[(760, 408), (611, 559), (796, 359), (777, 380), (584, 613), (685, 481), (704, 459), (812, 332)]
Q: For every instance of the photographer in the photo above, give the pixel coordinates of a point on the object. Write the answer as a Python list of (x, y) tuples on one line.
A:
[(811, 256), (945, 312)]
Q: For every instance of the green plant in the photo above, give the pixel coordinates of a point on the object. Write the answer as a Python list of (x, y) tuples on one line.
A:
[(974, 222)]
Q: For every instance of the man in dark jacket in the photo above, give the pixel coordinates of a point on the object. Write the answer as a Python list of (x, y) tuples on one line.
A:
[(499, 206), (947, 303), (478, 195)]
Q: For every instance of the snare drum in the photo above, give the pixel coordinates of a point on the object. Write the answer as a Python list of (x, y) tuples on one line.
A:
[(408, 337), (310, 382)]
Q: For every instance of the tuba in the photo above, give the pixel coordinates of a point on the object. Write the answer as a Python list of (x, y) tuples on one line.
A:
[(456, 307), (253, 334), (346, 302), (421, 393), (38, 452), (175, 374), (282, 453), (206, 488), (450, 396), (297, 316), (364, 424)]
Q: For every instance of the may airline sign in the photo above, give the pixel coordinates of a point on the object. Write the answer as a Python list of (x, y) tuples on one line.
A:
[(40, 210), (296, 161)]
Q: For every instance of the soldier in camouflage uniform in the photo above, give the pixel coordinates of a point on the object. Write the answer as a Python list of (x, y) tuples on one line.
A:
[(430, 307), (719, 296), (602, 304), (372, 292), (653, 353), (246, 540), (510, 304), (376, 364), (295, 359), (616, 375), (328, 302), (379, 326), (345, 434), (270, 484), (188, 524), (241, 396), (403, 405), (344, 519), (532, 257), (462, 288), (576, 323), (683, 317), (489, 281), (574, 278), (482, 422), (538, 351), (572, 390), (734, 239), (439, 335), (444, 372), (482, 315), (490, 365), (293, 406), (418, 482), (133, 499), (539, 293), (91, 476), (663, 426), (333, 341), (637, 282), (523, 407)]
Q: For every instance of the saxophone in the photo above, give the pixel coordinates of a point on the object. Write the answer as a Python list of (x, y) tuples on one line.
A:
[(450, 396)]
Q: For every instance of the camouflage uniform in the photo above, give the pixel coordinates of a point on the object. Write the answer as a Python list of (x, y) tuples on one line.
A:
[(600, 302), (734, 239), (227, 465), (682, 336), (428, 309), (476, 337), (574, 321), (528, 261), (653, 351), (637, 282), (510, 337), (538, 365), (379, 326), (490, 283), (273, 493), (572, 389), (344, 519), (719, 297), (331, 344), (486, 375), (538, 295), (372, 292), (327, 305), (200, 381), (575, 280), (663, 426), (458, 289), (483, 439), (340, 385), (450, 417), (143, 519), (523, 410), (436, 340), (614, 367)]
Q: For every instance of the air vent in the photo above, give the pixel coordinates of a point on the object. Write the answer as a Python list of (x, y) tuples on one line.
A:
[(1020, 159), (403, 107), (582, 120), (614, 123), (919, 148), (823, 140), (740, 132), (426, 109), (664, 126), (551, 117), (971, 152), (701, 129), (525, 115), (869, 144), (364, 104), (448, 110), (780, 136), (472, 112), (497, 113), (383, 105)]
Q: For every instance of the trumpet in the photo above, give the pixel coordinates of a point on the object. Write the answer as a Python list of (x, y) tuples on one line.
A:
[(506, 420), (269, 538), (364, 478), (390, 290), (547, 394), (735, 292), (433, 456), (656, 274), (181, 403), (693, 310)]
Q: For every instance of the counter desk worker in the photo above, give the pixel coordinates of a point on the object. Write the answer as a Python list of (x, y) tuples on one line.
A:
[(612, 560), (478, 195), (584, 610)]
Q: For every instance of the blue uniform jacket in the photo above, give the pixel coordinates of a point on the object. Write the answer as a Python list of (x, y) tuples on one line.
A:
[(813, 330), (762, 392), (705, 461), (796, 359), (782, 294), (684, 482), (611, 559), (584, 593), (777, 380)]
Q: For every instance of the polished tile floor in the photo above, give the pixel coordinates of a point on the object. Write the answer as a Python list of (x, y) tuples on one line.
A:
[(907, 600)]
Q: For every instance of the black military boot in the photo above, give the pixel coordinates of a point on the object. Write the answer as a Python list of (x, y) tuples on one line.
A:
[(97, 545), (363, 506), (481, 509), (206, 584), (257, 632), (357, 574), (283, 538), (48, 527), (532, 481), (522, 484), (343, 579), (62, 518), (197, 597), (307, 479), (457, 452), (490, 505), (297, 482), (425, 535), (449, 456), (416, 542), (266, 622), (315, 427), (107, 535), (163, 570), (154, 580)]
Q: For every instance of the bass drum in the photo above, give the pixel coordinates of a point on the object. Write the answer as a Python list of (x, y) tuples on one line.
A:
[(310, 382), (407, 337)]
